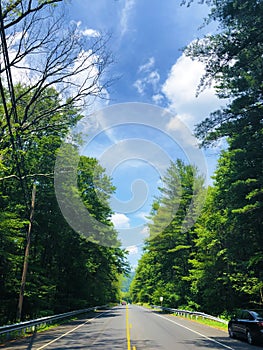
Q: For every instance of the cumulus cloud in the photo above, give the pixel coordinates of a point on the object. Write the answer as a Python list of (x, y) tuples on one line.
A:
[(120, 221), (180, 90)]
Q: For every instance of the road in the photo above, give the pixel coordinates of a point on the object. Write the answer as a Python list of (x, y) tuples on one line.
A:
[(130, 328)]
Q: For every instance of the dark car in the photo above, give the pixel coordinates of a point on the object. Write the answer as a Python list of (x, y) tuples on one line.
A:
[(247, 324)]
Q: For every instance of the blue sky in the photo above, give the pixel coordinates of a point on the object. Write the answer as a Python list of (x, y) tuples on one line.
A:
[(147, 37)]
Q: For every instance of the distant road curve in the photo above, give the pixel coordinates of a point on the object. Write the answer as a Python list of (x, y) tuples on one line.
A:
[(130, 328)]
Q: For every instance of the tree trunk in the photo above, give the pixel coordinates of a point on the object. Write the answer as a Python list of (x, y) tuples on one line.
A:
[(26, 256)]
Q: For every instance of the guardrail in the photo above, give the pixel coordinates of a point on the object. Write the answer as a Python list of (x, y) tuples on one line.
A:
[(18, 329), (191, 314)]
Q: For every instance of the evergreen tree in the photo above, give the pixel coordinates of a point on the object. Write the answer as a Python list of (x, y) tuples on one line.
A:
[(164, 267), (233, 59)]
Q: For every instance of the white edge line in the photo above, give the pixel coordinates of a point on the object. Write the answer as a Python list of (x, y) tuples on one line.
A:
[(72, 330), (202, 335)]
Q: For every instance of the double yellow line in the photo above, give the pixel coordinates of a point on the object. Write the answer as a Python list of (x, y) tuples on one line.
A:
[(128, 326)]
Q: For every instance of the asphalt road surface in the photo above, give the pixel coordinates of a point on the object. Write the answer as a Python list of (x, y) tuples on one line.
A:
[(130, 328)]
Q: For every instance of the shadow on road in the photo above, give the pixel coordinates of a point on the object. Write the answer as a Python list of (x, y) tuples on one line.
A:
[(32, 338), (38, 339), (217, 341)]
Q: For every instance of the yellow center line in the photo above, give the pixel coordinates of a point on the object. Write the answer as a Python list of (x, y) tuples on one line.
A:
[(128, 329), (128, 326)]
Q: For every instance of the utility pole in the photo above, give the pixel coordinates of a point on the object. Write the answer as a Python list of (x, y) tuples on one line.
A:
[(26, 256)]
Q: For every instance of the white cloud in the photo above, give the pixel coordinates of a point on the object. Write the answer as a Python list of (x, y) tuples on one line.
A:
[(86, 69), (151, 81), (129, 4), (145, 231), (180, 90), (86, 64), (120, 221), (153, 78), (147, 66), (91, 32), (86, 32), (23, 72), (132, 250), (150, 77), (140, 86), (158, 98)]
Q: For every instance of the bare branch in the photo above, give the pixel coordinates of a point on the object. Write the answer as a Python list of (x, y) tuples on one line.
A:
[(18, 7), (60, 59), (25, 176)]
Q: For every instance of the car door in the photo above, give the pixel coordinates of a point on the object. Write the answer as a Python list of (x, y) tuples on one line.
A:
[(244, 322), (236, 320)]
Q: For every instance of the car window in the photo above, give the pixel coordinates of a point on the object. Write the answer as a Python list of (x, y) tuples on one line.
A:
[(258, 313), (250, 316), (245, 315), (237, 314)]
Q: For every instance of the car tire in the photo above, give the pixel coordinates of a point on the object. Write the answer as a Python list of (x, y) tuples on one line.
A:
[(231, 333), (250, 339)]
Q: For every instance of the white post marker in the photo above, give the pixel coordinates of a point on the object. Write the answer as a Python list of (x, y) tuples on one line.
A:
[(161, 300)]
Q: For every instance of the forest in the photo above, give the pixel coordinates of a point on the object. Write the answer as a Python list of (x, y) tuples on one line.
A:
[(45, 266), (215, 263)]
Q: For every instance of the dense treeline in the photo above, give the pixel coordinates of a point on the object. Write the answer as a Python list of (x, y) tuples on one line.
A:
[(217, 265), (164, 267), (66, 271), (48, 71)]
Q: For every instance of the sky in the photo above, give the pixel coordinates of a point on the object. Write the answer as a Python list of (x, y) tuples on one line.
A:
[(151, 108)]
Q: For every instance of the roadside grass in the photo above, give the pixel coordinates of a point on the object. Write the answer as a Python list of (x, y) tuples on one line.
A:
[(198, 319), (206, 321)]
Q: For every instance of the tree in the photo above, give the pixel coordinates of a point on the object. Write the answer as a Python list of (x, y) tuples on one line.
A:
[(57, 62), (164, 267), (61, 71), (48, 54), (66, 271), (233, 60)]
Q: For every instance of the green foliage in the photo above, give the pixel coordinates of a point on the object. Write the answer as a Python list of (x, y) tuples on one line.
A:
[(233, 59), (66, 271), (163, 269), (227, 266), (217, 265)]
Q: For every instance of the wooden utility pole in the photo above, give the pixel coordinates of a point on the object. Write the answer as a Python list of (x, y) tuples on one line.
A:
[(26, 256)]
